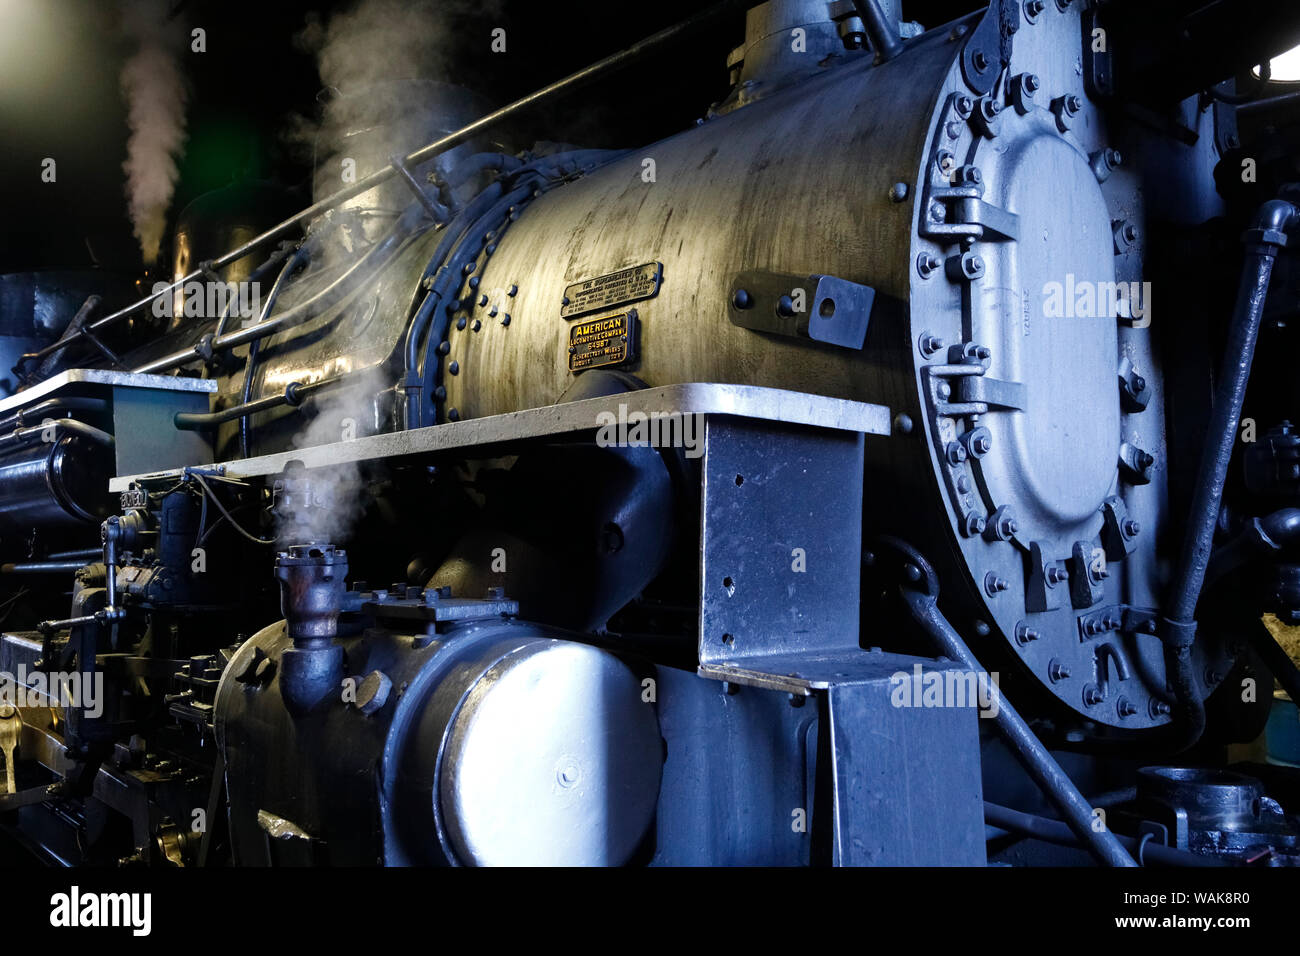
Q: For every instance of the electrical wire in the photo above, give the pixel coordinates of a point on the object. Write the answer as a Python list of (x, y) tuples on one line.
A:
[(222, 508)]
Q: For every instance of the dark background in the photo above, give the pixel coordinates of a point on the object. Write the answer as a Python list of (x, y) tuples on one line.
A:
[(60, 97)]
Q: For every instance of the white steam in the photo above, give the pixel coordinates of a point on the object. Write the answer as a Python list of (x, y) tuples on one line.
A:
[(155, 92), (336, 500)]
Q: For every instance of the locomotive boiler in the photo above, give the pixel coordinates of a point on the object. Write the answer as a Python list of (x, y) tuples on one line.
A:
[(865, 475)]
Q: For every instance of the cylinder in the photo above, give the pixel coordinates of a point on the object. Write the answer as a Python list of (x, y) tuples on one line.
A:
[(54, 484)]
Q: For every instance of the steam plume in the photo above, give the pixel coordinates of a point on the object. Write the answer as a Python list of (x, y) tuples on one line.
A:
[(155, 93)]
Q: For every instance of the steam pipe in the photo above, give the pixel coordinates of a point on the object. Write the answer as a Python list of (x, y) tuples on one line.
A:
[(1033, 756), (1267, 535), (70, 333), (1054, 831), (1264, 239), (880, 30), (42, 567), (573, 81), (22, 435), (23, 415), (301, 254), (919, 587), (293, 395), (375, 257), (1278, 661), (472, 166)]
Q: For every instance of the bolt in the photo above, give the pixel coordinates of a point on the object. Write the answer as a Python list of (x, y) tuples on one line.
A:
[(1073, 104), (1057, 671), (967, 266), (1026, 634), (1092, 695), (505, 319), (454, 368), (453, 415), (898, 192), (742, 299), (1139, 384), (963, 483), (477, 325), (1057, 575), (1131, 528), (964, 105), (1125, 707), (927, 264), (483, 300), (955, 453), (975, 524), (1034, 9), (461, 322), (930, 344), (981, 445), (444, 347), (994, 585), (474, 282), (1159, 708), (512, 291)]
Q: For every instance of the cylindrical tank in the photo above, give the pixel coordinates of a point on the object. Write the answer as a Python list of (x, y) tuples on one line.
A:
[(1007, 467), (218, 221), (53, 485)]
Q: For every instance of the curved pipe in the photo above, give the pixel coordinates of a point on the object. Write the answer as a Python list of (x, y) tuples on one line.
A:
[(1054, 831), (1033, 756), (880, 30), (1178, 628), (21, 436), (293, 395), (301, 255), (479, 163), (24, 415), (1267, 535), (374, 259)]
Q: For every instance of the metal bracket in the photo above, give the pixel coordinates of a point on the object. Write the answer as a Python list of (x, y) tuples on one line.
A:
[(821, 308), (988, 49)]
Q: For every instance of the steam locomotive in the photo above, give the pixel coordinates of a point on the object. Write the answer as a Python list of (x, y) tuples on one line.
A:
[(864, 476)]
